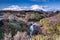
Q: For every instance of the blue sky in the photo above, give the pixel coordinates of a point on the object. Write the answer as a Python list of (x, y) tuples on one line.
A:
[(51, 4)]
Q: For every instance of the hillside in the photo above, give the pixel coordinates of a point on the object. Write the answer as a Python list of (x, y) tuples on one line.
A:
[(16, 24), (53, 21), (50, 28)]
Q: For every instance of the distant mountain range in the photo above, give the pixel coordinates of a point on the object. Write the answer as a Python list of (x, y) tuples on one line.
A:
[(37, 10)]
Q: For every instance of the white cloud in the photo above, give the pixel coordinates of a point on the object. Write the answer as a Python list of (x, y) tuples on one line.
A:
[(13, 7), (32, 7), (38, 7)]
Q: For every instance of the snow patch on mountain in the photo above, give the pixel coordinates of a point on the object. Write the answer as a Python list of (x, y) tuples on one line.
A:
[(32, 7)]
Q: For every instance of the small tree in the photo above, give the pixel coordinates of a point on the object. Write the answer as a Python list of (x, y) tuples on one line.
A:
[(37, 16)]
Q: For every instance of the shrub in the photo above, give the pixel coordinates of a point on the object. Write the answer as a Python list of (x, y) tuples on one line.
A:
[(16, 26), (1, 33), (1, 29)]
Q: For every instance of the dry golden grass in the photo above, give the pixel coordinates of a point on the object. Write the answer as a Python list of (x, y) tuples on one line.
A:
[(42, 37), (38, 37)]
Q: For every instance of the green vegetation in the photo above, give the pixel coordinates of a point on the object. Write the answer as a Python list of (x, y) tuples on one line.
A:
[(48, 22), (38, 16), (52, 27), (57, 25), (52, 24), (16, 26), (1, 33), (1, 30)]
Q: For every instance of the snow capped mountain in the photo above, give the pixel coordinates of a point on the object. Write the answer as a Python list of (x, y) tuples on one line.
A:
[(38, 8), (33, 7)]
